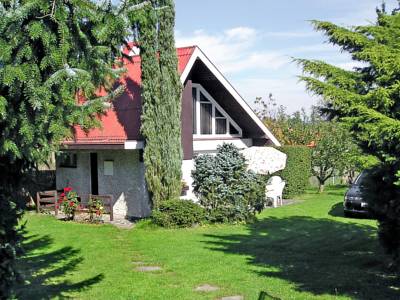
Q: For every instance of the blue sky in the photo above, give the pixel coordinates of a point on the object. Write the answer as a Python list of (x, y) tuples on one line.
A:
[(252, 42)]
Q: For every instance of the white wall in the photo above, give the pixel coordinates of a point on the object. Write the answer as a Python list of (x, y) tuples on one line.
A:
[(127, 184), (204, 146), (187, 167)]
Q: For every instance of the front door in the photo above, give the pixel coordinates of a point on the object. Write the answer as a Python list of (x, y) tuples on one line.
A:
[(94, 176)]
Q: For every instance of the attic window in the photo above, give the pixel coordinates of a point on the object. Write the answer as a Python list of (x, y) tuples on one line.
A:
[(209, 118)]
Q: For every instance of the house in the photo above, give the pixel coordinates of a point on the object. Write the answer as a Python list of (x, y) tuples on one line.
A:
[(108, 160)]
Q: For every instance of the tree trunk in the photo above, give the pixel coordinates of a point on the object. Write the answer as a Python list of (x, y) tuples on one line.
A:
[(321, 187)]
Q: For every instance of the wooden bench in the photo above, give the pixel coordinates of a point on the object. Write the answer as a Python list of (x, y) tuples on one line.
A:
[(47, 199)]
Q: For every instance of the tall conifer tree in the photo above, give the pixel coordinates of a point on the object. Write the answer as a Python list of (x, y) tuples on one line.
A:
[(367, 99), (161, 91), (51, 53)]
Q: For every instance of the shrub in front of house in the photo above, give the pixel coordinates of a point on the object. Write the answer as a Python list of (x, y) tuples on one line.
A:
[(96, 210), (178, 213), (298, 170), (68, 202), (224, 187)]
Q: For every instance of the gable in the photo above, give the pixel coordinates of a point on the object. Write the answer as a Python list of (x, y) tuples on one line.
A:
[(201, 70)]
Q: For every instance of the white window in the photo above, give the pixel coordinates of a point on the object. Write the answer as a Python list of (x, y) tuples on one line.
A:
[(209, 118), (108, 168)]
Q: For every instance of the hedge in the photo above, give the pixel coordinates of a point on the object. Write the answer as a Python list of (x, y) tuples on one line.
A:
[(297, 171), (178, 213)]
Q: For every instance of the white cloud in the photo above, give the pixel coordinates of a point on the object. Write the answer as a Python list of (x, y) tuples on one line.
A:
[(350, 65), (291, 34), (241, 33), (233, 50), (287, 91)]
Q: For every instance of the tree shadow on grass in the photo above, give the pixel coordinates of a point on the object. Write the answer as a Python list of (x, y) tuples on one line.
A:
[(337, 211), (42, 270), (320, 256)]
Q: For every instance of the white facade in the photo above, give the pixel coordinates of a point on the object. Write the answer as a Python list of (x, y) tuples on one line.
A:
[(126, 184)]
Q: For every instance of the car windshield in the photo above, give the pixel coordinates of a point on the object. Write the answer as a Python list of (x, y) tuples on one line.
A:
[(361, 178)]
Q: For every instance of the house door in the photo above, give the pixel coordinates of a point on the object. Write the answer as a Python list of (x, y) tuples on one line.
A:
[(94, 175)]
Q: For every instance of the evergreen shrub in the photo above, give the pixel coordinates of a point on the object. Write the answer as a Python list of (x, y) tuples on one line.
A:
[(227, 191), (178, 213)]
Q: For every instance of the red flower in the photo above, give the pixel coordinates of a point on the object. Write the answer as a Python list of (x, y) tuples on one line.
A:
[(71, 203), (62, 194), (57, 206), (67, 189)]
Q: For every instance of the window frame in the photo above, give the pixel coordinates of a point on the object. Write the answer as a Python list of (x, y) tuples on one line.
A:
[(199, 88), (68, 160)]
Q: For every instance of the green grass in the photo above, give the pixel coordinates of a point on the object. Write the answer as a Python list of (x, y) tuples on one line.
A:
[(303, 251)]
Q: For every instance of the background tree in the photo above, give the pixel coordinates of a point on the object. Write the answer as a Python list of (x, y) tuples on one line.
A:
[(52, 53), (161, 93), (367, 100), (334, 151), (290, 129), (328, 156)]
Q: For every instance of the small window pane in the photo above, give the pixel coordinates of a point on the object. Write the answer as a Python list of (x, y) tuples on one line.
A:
[(232, 129), (205, 118), (203, 98), (218, 114), (194, 110), (220, 126)]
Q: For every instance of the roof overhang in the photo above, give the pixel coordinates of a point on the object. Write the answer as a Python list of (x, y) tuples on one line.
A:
[(198, 54)]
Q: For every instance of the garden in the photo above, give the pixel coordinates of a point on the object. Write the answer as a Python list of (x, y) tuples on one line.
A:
[(307, 250)]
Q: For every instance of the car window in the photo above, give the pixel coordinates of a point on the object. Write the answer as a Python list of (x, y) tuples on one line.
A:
[(361, 177)]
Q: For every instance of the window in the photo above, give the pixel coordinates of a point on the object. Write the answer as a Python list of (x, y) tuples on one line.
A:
[(220, 122), (232, 129), (209, 118), (68, 160), (108, 168), (205, 115)]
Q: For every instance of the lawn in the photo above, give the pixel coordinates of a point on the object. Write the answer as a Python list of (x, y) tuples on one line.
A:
[(303, 251)]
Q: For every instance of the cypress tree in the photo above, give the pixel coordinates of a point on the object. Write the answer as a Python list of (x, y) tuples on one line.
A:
[(161, 94), (367, 99), (51, 53)]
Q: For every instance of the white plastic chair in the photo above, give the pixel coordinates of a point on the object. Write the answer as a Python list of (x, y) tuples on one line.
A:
[(274, 190)]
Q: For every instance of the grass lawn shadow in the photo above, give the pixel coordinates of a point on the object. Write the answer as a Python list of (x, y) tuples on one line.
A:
[(337, 210), (319, 256), (42, 269)]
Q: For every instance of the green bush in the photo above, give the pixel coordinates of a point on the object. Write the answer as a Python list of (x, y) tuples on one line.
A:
[(178, 213), (227, 191), (297, 171)]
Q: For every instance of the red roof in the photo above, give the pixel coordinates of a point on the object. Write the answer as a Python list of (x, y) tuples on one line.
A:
[(122, 121)]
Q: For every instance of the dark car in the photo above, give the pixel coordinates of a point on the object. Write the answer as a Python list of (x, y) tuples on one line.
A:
[(353, 199)]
